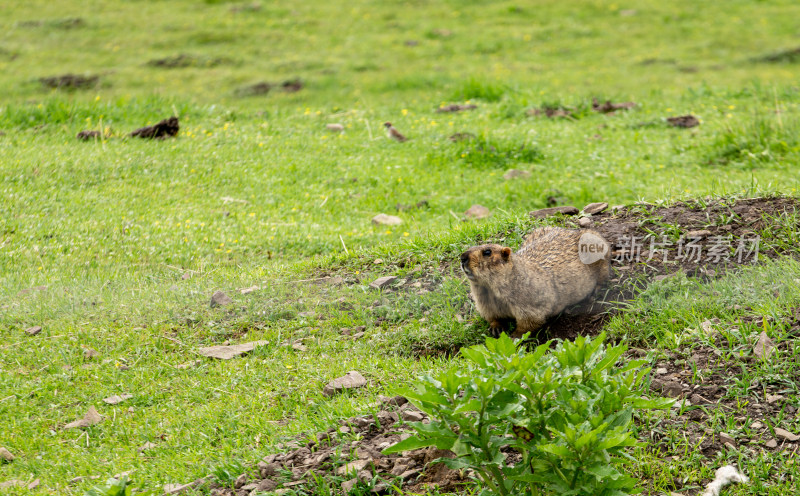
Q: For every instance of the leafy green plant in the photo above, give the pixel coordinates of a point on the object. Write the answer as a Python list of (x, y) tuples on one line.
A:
[(113, 487), (563, 415)]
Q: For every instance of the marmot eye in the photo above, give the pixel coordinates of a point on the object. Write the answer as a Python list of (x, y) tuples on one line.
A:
[(487, 252)]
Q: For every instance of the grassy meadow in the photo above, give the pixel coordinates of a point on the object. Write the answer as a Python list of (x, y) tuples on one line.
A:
[(115, 245)]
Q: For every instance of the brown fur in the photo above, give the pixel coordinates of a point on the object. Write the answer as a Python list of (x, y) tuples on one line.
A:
[(535, 283)]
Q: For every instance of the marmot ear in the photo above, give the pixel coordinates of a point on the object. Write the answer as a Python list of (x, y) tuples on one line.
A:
[(506, 252)]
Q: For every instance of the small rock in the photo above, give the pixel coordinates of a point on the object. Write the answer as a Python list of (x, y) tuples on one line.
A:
[(382, 282), (774, 398), (394, 400), (89, 353), (6, 455), (357, 336), (516, 173), (726, 438), (584, 222), (91, 418), (249, 290), (757, 425), (387, 220), (266, 485), (703, 233), (408, 474), (240, 481), (355, 466), (186, 276), (348, 485), (661, 371), (786, 435), (33, 485), (771, 444), (412, 416), (547, 212), (595, 208), (220, 299), (351, 380), (88, 134), (113, 400), (764, 346), (228, 352), (335, 127), (32, 331), (477, 212), (146, 446)]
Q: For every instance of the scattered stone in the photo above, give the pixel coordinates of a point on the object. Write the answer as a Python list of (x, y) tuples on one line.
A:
[(337, 128), (355, 466), (249, 290), (387, 220), (89, 353), (757, 425), (547, 212), (412, 416), (6, 455), (166, 128), (32, 331), (91, 418), (669, 388), (661, 371), (88, 135), (180, 488), (352, 380), (764, 346), (220, 299), (774, 398), (113, 400), (516, 173), (70, 82), (701, 234), (33, 485), (595, 208), (240, 481), (348, 485), (726, 439), (684, 121), (584, 222), (477, 212), (456, 108), (146, 446), (188, 365), (382, 282), (394, 400), (227, 352), (786, 435), (771, 444)]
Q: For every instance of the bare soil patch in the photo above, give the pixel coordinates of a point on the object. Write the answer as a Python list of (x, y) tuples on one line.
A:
[(167, 128), (70, 82)]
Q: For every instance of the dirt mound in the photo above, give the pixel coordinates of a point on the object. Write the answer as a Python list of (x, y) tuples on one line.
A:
[(164, 129), (350, 455), (608, 107), (184, 60), (264, 87), (685, 121), (70, 81), (652, 243), (790, 56)]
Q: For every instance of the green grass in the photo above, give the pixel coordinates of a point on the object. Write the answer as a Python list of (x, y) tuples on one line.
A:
[(256, 191)]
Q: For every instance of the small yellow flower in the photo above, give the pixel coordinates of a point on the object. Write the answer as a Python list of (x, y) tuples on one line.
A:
[(404, 111), (252, 214), (405, 234)]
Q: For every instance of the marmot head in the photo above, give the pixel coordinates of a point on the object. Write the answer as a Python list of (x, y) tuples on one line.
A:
[(387, 124), (481, 263)]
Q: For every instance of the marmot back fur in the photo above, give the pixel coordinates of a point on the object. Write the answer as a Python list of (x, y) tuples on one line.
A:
[(539, 280)]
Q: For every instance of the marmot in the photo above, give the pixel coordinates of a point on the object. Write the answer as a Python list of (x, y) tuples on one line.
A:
[(546, 275)]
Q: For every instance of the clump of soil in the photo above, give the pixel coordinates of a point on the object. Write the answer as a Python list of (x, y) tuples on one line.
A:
[(351, 451), (685, 121), (70, 82), (88, 135), (185, 60), (609, 107), (551, 112), (164, 129), (790, 56), (264, 87), (456, 108)]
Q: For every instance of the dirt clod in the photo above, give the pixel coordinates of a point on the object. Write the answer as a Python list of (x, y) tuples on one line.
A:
[(70, 82), (684, 121), (477, 212), (33, 331), (456, 108), (166, 128), (547, 212), (608, 107)]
